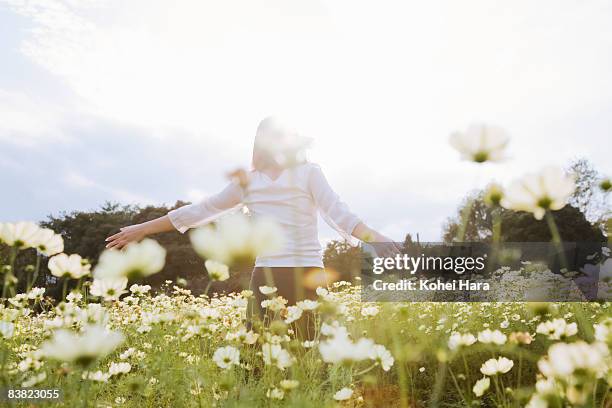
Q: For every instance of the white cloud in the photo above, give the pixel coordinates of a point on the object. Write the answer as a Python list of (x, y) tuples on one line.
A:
[(26, 120), (81, 182), (379, 86)]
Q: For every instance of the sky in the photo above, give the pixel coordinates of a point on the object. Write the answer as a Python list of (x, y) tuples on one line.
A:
[(150, 101)]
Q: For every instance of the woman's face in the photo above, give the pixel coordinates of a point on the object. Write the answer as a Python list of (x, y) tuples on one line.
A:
[(278, 144)]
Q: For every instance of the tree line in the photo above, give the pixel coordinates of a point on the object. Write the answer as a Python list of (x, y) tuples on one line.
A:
[(84, 233)]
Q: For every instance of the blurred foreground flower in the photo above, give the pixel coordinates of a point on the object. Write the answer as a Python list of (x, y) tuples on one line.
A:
[(605, 185), (496, 337), (72, 266), (557, 329), (341, 349), (565, 359), (48, 242), (480, 143), (83, 349), (493, 195), (344, 394), (20, 235), (237, 239), (138, 260), (537, 193), (6, 329), (458, 340), (481, 386), (216, 270)]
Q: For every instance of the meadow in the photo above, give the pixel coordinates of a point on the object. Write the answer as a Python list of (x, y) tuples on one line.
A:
[(112, 341), (176, 349)]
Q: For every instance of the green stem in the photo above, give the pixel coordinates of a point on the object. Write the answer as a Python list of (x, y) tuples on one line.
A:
[(9, 274), (36, 270), (401, 374), (556, 237), (450, 370), (64, 288), (438, 385), (362, 372), (207, 287), (465, 218), (497, 225)]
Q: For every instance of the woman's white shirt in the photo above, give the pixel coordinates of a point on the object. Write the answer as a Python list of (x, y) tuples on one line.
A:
[(292, 200)]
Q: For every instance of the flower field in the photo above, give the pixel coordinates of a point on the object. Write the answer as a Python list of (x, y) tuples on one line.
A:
[(112, 341), (176, 349)]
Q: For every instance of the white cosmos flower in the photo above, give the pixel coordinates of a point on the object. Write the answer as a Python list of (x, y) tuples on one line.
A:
[(94, 343), (217, 270), (344, 394), (480, 143), (97, 376), (563, 359), (267, 290), (457, 340), (323, 292), (119, 368), (20, 235), (266, 237), (275, 393), (481, 386), (36, 293), (557, 329), (293, 314), (227, 356), (603, 331), (6, 329), (500, 366), (496, 337), (307, 304), (74, 297), (72, 266), (383, 356), (48, 242), (275, 355), (140, 289), (537, 193), (340, 349), (35, 379), (368, 311), (276, 304), (242, 335), (109, 289), (237, 238), (138, 260)]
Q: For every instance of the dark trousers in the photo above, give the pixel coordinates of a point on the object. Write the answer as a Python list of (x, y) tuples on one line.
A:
[(290, 284)]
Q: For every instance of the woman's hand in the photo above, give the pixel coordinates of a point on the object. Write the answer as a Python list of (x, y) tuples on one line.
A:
[(133, 233), (383, 245)]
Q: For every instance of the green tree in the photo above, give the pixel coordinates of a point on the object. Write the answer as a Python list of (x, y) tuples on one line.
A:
[(343, 258), (519, 226)]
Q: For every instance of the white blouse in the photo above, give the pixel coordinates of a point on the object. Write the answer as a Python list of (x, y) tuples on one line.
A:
[(292, 200)]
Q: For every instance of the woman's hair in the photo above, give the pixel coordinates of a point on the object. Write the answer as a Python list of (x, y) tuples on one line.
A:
[(277, 145)]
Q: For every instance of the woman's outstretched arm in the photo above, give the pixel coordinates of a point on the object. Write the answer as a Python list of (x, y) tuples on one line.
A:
[(139, 231), (366, 234), (181, 219)]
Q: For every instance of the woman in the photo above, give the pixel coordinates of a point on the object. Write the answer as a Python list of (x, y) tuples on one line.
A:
[(282, 186)]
